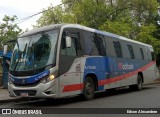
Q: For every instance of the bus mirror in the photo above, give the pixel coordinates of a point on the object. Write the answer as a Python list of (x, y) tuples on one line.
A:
[(5, 49), (68, 41)]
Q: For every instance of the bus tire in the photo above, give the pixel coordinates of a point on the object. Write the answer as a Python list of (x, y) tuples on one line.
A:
[(137, 86), (88, 89), (139, 83)]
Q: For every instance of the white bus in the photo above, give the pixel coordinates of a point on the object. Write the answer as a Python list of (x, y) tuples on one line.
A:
[(69, 59)]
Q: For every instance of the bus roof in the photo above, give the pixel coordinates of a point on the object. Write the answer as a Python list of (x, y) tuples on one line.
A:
[(41, 29), (106, 34), (58, 26)]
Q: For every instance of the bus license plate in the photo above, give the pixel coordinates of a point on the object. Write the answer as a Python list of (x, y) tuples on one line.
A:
[(24, 94)]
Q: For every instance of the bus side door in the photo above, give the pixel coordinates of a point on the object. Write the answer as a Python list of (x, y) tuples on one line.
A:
[(69, 62)]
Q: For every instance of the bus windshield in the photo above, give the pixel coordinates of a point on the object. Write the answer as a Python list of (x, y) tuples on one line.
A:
[(34, 52)]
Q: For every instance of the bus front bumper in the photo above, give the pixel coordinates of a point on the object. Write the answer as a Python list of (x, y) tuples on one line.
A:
[(47, 90)]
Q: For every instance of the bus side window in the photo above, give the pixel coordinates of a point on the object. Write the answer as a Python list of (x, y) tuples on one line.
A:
[(69, 51), (153, 56), (100, 44), (130, 48), (75, 49), (93, 44), (118, 49), (142, 54), (88, 44)]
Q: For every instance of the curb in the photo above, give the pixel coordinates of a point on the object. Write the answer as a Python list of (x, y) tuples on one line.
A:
[(157, 81), (13, 100), (18, 99)]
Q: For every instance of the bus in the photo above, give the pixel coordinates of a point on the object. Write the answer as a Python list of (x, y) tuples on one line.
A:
[(63, 60)]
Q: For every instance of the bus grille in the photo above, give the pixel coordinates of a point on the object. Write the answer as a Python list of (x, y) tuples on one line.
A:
[(30, 92)]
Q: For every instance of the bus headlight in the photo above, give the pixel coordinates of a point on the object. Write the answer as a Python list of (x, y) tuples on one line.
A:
[(51, 77), (48, 78)]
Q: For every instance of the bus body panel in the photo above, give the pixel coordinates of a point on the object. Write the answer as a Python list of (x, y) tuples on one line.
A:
[(109, 70), (104, 72), (40, 90), (70, 82)]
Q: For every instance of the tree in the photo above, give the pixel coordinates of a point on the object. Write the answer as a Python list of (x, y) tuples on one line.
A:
[(8, 30), (144, 11), (119, 28), (135, 19), (51, 16), (145, 36)]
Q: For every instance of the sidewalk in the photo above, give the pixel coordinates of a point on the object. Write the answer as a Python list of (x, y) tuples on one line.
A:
[(4, 95), (157, 81)]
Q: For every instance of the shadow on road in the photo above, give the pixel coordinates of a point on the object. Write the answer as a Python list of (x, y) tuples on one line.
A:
[(119, 91), (76, 99)]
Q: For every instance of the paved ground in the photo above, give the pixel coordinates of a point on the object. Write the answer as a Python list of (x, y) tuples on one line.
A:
[(118, 99), (4, 95)]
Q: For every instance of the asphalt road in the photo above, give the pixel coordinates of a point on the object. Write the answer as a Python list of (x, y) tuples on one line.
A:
[(149, 97)]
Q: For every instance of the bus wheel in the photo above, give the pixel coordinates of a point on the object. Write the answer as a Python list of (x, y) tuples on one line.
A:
[(88, 89), (139, 83), (137, 86)]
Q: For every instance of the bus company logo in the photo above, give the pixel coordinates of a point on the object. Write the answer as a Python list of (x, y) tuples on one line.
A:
[(125, 66), (23, 81), (90, 67)]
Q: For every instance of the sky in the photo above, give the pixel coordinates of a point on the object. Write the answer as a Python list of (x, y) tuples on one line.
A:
[(25, 8)]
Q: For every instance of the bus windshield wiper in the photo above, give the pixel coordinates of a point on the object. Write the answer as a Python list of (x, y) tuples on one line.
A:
[(19, 57)]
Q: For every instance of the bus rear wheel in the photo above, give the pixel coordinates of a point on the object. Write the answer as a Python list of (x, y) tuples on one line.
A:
[(137, 86), (88, 89), (139, 83)]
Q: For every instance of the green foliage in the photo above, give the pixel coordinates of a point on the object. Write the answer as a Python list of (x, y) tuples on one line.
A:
[(144, 10), (88, 12), (116, 27), (51, 16), (145, 35), (135, 19), (8, 30)]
